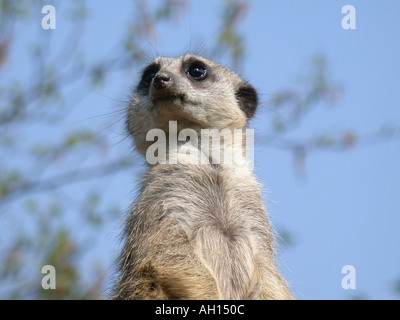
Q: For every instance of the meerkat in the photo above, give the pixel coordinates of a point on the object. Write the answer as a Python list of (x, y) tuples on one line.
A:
[(196, 231)]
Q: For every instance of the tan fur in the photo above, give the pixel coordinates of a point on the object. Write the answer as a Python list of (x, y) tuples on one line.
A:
[(196, 231)]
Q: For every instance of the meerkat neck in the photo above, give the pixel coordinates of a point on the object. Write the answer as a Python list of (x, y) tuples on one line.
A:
[(207, 147)]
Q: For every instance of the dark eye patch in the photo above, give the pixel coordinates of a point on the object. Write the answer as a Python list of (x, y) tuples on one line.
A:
[(148, 75), (247, 98)]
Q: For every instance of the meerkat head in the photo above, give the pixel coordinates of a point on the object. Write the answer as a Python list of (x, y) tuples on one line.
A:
[(196, 92)]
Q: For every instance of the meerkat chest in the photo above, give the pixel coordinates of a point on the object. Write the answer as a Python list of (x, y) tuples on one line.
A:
[(196, 196)]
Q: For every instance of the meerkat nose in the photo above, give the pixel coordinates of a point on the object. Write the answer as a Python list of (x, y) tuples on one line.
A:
[(162, 80)]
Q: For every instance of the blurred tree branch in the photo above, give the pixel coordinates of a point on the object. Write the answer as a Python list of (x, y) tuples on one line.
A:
[(289, 109), (24, 188)]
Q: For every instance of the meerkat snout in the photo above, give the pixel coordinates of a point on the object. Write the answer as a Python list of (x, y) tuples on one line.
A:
[(162, 80)]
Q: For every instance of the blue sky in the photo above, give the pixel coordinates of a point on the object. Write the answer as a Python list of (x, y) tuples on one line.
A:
[(345, 210)]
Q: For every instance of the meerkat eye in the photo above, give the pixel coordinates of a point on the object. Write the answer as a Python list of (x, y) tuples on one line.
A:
[(197, 71)]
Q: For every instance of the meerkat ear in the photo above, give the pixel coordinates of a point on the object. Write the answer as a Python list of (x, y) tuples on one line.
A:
[(247, 98)]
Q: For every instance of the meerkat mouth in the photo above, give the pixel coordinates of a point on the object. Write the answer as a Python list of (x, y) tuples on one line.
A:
[(170, 99)]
